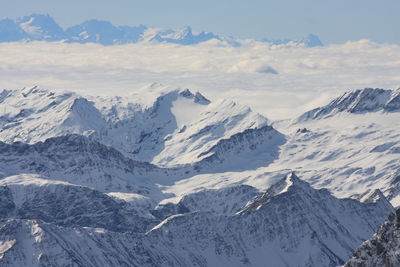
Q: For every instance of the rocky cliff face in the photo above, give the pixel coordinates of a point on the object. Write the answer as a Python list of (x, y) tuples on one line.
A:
[(383, 248)]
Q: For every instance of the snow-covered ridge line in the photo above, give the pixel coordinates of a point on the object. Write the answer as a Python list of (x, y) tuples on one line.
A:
[(357, 102), (30, 196), (258, 140), (37, 27)]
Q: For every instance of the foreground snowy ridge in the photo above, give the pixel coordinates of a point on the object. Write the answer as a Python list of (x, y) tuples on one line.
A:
[(295, 226)]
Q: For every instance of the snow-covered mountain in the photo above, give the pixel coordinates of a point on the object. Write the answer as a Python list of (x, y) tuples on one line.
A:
[(167, 177), (351, 154), (103, 32), (358, 101), (351, 147), (295, 226), (79, 160), (159, 130), (184, 36), (38, 27)]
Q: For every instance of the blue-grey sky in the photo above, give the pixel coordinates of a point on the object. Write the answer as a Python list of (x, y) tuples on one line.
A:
[(334, 21)]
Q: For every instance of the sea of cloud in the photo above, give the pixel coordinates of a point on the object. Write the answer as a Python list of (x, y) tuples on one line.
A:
[(277, 81)]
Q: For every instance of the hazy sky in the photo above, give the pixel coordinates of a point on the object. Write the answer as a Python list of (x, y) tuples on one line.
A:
[(334, 21)]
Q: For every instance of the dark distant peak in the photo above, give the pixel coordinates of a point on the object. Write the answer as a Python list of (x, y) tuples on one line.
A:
[(358, 101), (186, 93), (197, 97)]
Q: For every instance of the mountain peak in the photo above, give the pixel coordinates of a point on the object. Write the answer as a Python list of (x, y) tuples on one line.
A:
[(40, 27), (293, 178), (183, 36), (197, 97), (184, 33), (358, 101), (290, 183)]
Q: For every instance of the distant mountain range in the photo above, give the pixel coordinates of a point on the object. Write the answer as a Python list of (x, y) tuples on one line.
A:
[(38, 27)]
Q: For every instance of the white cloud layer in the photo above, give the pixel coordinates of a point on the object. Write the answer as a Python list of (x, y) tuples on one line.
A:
[(277, 81)]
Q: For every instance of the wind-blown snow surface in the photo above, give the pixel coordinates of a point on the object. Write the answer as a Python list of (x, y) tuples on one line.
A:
[(276, 80)]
